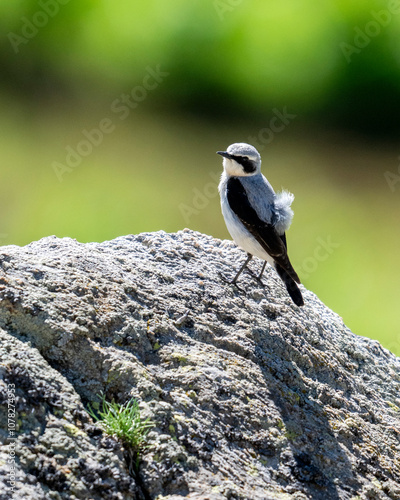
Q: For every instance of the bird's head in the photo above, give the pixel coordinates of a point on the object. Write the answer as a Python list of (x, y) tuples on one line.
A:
[(241, 159)]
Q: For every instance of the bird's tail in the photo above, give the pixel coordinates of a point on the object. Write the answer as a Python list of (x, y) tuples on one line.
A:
[(291, 287)]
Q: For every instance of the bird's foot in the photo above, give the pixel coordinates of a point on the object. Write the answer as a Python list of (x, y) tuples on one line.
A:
[(230, 281), (258, 277)]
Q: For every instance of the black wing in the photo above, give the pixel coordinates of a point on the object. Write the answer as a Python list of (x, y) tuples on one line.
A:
[(263, 232), (283, 238)]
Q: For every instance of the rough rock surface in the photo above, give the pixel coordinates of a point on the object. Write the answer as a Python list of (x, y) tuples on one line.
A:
[(253, 397)]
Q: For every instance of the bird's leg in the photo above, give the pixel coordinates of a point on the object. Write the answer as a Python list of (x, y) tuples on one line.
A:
[(258, 278), (233, 282), (262, 270), (249, 257)]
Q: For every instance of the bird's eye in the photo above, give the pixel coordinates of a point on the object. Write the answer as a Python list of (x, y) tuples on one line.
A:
[(247, 164)]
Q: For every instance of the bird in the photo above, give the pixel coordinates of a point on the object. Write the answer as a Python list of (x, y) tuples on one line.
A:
[(256, 217)]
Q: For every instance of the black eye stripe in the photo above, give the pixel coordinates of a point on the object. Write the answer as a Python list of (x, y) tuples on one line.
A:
[(247, 164)]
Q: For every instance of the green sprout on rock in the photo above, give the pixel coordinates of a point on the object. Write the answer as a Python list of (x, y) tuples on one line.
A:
[(124, 423)]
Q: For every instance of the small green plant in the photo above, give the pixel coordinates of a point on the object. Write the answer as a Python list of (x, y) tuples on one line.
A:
[(124, 423)]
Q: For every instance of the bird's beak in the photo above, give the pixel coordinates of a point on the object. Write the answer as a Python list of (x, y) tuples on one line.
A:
[(224, 154)]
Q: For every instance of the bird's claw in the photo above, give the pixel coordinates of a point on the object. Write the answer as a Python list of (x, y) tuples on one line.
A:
[(230, 282)]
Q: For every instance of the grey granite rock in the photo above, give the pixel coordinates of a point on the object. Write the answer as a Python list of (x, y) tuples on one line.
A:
[(253, 397)]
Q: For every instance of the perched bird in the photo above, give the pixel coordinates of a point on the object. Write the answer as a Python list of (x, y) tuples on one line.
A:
[(255, 216)]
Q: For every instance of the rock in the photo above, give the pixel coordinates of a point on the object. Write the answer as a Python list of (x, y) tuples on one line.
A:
[(252, 397), (58, 449)]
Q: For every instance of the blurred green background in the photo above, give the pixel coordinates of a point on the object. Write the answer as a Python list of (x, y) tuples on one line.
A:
[(111, 113)]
